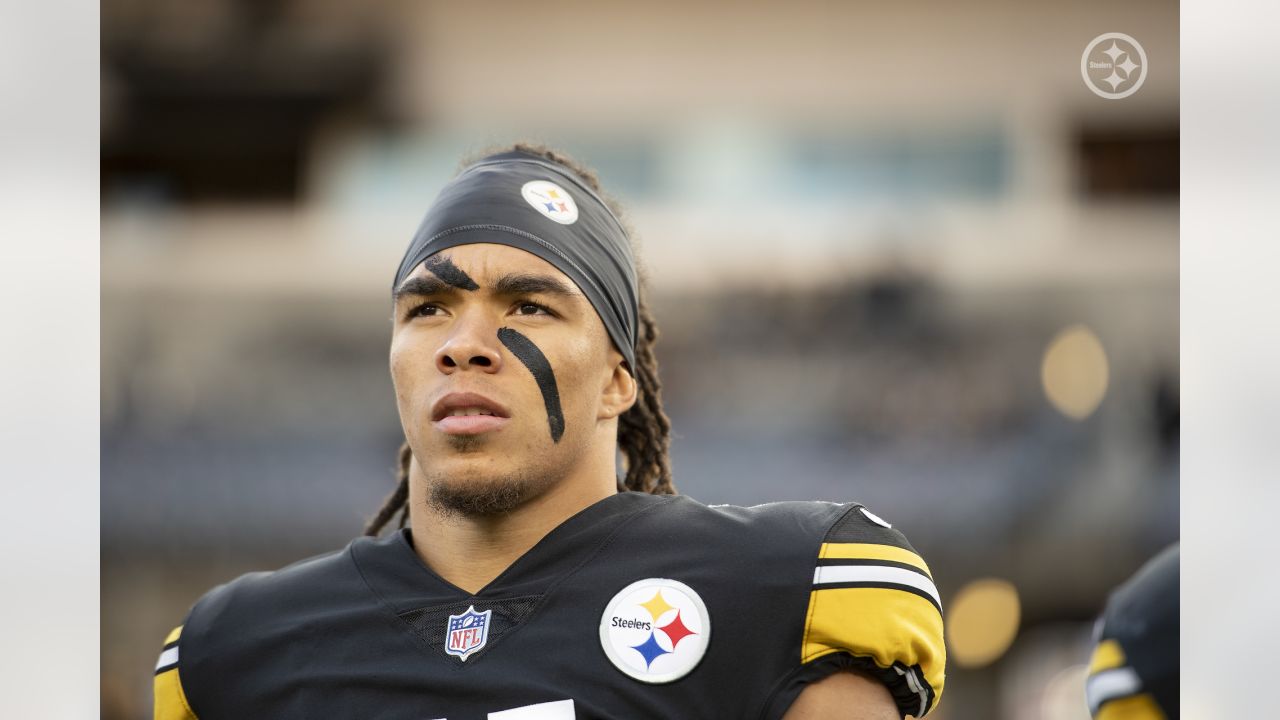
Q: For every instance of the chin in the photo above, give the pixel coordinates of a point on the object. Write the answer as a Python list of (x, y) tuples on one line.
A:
[(483, 496), (481, 445)]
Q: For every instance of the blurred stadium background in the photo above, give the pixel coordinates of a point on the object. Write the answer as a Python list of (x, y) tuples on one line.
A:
[(899, 254)]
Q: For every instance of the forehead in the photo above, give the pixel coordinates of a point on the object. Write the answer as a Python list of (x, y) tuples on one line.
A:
[(486, 262)]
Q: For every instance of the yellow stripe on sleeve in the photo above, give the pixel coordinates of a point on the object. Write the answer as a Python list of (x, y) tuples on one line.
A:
[(872, 551), (1106, 656), (884, 624), (1134, 707), (171, 702)]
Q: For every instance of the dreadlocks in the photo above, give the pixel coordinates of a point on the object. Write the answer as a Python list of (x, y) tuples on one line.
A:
[(644, 432)]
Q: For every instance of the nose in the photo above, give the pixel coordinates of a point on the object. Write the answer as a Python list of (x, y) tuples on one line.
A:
[(471, 346)]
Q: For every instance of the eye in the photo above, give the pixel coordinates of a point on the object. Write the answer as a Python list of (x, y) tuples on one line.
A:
[(528, 307), (423, 310)]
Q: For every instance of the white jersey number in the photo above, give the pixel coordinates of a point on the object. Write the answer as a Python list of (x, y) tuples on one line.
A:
[(556, 710)]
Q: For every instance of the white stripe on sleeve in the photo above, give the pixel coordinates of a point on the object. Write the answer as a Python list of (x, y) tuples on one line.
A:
[(1111, 684), (829, 574), (168, 657)]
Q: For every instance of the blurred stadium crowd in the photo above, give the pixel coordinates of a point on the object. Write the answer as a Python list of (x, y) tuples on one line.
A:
[(899, 254)]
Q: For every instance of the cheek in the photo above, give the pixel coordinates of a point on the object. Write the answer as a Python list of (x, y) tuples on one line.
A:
[(578, 375), (406, 362), (398, 370)]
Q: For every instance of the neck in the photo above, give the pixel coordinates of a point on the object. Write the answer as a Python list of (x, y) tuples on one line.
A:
[(470, 551)]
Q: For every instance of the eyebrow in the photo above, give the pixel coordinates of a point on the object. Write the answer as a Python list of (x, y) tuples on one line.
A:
[(509, 284), (529, 284), (422, 286)]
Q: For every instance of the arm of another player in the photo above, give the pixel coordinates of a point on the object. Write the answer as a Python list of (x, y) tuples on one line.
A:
[(848, 695), (1133, 673), (170, 700)]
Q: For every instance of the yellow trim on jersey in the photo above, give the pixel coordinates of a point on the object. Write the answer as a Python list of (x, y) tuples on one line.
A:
[(1106, 656), (171, 702), (884, 624), (1135, 707), (872, 551)]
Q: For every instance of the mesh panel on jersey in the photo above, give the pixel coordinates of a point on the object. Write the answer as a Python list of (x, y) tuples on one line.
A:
[(431, 623)]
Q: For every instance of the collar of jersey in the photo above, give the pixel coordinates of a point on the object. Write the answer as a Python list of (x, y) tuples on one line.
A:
[(394, 572)]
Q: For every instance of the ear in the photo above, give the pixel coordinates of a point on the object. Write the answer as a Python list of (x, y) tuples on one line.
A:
[(620, 389)]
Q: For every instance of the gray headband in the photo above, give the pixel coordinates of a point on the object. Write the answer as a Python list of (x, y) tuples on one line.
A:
[(493, 201)]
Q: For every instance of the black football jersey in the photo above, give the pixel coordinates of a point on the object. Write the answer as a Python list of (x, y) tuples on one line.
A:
[(639, 606), (1133, 674)]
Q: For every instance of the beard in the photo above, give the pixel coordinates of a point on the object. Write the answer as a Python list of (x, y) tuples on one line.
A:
[(490, 492), (486, 497)]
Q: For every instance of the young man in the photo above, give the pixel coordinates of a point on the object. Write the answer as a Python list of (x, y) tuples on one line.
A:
[(531, 583)]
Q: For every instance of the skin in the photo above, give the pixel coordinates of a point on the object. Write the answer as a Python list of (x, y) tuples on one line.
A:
[(448, 342), (847, 695), (451, 344)]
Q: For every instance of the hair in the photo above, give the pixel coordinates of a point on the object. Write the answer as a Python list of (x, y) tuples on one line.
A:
[(644, 431)]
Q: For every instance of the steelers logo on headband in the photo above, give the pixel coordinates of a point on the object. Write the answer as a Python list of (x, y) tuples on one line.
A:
[(489, 201), (551, 200)]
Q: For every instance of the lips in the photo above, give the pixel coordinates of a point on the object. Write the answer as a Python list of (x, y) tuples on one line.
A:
[(467, 402), (468, 413)]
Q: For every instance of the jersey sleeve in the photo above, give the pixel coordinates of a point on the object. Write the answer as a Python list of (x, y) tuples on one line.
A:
[(1114, 690), (873, 607), (170, 700), (1133, 671)]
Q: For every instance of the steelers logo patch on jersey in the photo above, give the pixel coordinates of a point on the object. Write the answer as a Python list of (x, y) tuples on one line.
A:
[(551, 200), (655, 630)]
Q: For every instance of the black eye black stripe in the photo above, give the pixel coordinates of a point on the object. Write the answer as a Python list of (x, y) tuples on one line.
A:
[(529, 354), (442, 267)]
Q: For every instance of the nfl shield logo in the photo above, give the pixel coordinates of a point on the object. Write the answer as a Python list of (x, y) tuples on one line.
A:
[(467, 632)]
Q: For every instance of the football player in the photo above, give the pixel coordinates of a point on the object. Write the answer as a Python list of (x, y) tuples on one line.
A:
[(526, 581), (1133, 674)]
